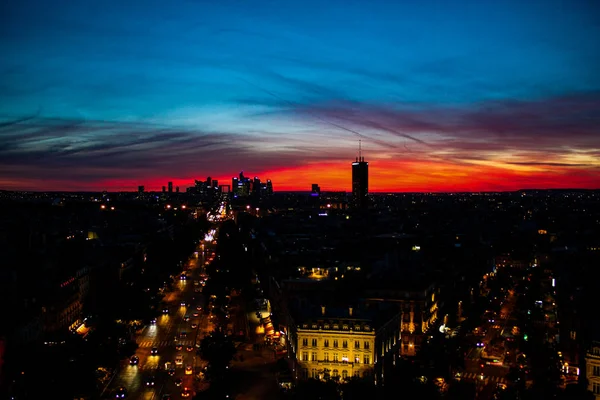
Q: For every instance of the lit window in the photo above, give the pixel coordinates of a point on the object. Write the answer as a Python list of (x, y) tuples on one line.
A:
[(366, 360), (304, 356), (325, 356)]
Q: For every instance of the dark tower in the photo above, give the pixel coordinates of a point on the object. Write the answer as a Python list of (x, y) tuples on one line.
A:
[(360, 181)]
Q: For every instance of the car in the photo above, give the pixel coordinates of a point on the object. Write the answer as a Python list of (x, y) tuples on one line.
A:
[(153, 321), (186, 392), (182, 277), (182, 304), (194, 326), (183, 335), (121, 393), (165, 310), (195, 314), (178, 347), (188, 370), (171, 372), (154, 351), (198, 308), (150, 381), (178, 382), (179, 359), (134, 360), (189, 348), (186, 318)]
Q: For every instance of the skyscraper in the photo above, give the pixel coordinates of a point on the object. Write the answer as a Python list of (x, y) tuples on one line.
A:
[(360, 181), (170, 187), (141, 189), (316, 190)]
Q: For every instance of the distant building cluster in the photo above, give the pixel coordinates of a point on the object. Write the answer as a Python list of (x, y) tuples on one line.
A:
[(243, 186)]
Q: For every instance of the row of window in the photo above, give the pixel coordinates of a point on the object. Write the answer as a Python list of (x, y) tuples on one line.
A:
[(345, 327), (313, 357), (314, 343), (314, 373)]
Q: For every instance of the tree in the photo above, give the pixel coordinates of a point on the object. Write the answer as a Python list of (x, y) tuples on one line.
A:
[(358, 389), (316, 389), (461, 390), (218, 350)]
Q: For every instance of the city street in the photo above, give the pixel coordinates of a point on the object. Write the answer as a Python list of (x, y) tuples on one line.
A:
[(165, 335), (479, 365)]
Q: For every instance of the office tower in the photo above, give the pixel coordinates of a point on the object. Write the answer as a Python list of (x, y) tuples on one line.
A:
[(269, 187), (235, 186), (256, 187), (316, 190), (177, 189), (360, 181), (164, 189), (215, 184), (170, 187), (208, 183), (141, 189)]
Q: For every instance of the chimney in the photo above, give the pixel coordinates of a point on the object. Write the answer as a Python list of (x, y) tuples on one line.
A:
[(350, 311), (322, 310)]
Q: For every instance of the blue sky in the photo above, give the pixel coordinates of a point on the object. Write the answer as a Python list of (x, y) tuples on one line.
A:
[(268, 85)]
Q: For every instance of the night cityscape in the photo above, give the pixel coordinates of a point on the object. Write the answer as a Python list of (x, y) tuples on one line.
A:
[(300, 200)]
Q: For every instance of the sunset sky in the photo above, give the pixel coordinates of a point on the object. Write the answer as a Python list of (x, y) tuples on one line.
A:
[(444, 95)]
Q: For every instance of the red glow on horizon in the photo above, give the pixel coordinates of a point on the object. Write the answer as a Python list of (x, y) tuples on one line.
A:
[(384, 176)]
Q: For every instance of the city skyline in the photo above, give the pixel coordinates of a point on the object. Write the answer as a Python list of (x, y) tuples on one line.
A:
[(445, 97)]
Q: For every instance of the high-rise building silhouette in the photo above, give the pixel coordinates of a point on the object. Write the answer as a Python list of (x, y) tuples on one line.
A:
[(164, 189), (170, 187), (141, 189), (315, 190), (360, 181)]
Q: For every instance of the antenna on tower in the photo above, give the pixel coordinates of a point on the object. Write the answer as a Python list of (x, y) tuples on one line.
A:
[(359, 150)]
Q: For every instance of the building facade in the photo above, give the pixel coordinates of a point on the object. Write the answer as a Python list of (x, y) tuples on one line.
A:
[(335, 348), (592, 368)]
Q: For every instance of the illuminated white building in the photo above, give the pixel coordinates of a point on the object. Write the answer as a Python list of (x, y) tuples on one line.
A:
[(592, 367)]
